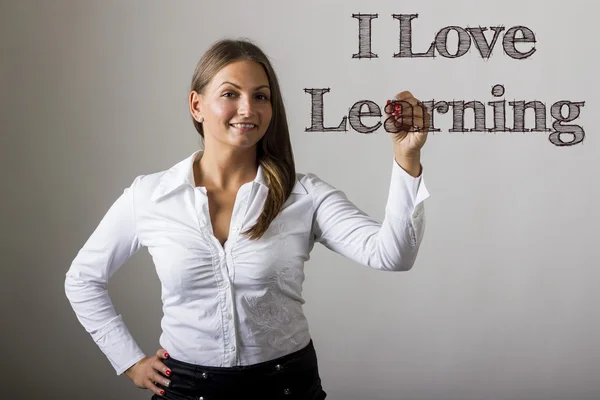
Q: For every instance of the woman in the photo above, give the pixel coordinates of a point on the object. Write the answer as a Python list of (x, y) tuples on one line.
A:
[(229, 229)]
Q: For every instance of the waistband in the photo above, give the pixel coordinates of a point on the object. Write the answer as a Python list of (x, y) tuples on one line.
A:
[(306, 355)]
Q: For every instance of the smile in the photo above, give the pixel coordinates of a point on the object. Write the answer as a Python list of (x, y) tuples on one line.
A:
[(243, 126)]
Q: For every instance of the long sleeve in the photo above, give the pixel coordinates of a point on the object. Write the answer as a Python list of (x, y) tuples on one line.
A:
[(391, 245), (110, 245)]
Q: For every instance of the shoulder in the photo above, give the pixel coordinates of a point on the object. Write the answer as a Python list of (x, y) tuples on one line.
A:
[(145, 186), (314, 185)]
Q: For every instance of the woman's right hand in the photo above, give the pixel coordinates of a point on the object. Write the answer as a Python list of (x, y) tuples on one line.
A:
[(147, 372)]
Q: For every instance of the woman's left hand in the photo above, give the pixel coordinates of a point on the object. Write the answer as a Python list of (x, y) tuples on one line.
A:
[(408, 122)]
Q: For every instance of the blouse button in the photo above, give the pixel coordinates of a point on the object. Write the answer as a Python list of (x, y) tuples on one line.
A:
[(287, 391), (204, 375)]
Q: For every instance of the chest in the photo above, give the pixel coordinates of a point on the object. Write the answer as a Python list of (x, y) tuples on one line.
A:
[(186, 251), (220, 207)]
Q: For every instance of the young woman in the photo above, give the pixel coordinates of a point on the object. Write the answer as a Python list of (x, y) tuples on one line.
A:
[(229, 229)]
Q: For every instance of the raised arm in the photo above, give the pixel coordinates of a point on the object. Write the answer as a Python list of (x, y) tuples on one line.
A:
[(392, 244)]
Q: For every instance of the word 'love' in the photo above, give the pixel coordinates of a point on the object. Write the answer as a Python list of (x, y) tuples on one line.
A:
[(466, 36)]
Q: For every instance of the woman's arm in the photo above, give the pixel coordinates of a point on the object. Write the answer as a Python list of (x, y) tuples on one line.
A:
[(390, 245), (393, 244), (110, 245)]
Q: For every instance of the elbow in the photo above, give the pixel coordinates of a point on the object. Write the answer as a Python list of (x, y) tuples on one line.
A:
[(402, 254), (402, 266), (71, 286), (402, 263), (81, 288), (407, 266)]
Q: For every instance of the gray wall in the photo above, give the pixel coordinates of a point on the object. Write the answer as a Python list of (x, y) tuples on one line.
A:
[(501, 301)]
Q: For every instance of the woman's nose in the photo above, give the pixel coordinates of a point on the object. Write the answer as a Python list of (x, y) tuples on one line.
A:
[(245, 106)]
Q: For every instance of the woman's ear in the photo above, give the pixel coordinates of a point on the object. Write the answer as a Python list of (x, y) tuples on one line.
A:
[(195, 103)]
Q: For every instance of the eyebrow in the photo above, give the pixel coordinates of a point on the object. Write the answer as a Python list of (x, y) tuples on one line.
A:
[(239, 87)]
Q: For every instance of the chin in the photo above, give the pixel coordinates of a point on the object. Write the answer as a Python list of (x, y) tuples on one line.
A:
[(250, 138), (246, 142)]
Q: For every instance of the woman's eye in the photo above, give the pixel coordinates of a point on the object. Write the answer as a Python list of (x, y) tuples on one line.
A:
[(260, 96)]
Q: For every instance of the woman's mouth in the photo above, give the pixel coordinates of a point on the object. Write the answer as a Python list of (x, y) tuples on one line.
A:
[(243, 127)]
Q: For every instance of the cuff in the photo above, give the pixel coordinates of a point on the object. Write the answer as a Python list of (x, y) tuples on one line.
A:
[(119, 347), (406, 191)]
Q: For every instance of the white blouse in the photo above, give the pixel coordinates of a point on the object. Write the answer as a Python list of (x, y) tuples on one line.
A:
[(241, 303)]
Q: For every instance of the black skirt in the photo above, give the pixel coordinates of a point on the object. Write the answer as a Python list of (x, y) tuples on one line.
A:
[(295, 376)]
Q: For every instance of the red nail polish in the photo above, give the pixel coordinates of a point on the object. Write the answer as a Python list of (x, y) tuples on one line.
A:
[(168, 372), (166, 355), (162, 392), (390, 106)]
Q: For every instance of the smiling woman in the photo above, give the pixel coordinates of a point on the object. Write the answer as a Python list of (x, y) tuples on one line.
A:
[(229, 229), (227, 108)]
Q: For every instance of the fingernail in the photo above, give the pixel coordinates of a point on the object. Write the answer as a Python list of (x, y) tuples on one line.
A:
[(166, 354), (167, 383), (162, 392), (168, 372)]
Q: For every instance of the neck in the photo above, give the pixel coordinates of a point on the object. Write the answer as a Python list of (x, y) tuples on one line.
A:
[(226, 169)]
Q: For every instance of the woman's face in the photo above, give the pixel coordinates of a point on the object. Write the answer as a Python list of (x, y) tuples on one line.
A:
[(236, 105)]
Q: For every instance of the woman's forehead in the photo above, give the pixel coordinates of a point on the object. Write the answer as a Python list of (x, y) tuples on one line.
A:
[(247, 75)]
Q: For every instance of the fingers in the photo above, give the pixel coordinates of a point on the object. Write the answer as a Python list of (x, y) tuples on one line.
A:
[(151, 386), (408, 107), (162, 353), (406, 114), (160, 367), (157, 379), (404, 95), (158, 373)]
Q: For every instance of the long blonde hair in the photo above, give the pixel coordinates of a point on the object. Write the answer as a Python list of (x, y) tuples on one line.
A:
[(274, 149)]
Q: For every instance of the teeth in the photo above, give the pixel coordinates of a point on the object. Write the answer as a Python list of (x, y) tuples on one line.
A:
[(243, 125)]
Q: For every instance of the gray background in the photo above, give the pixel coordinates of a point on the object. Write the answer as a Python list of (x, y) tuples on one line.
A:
[(501, 302)]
